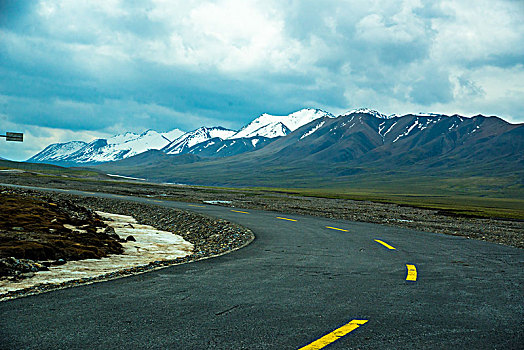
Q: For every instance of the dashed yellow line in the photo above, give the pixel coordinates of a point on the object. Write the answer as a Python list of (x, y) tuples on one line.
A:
[(412, 273), (385, 244), (196, 206), (338, 229), (158, 201), (334, 336), (281, 218), (238, 211)]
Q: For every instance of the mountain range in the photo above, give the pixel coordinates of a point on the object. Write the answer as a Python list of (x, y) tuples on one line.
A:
[(225, 142), (313, 147), (354, 146)]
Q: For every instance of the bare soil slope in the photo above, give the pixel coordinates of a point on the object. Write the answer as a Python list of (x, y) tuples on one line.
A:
[(31, 228)]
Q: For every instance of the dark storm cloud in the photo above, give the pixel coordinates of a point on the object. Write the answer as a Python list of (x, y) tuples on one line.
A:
[(432, 88), (16, 14)]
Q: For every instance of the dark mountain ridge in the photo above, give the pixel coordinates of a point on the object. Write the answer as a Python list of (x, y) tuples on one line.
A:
[(328, 149)]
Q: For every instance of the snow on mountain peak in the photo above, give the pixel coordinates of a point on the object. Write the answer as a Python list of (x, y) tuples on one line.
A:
[(272, 126), (425, 114), (121, 138), (372, 112), (196, 136), (103, 150), (57, 151), (173, 134)]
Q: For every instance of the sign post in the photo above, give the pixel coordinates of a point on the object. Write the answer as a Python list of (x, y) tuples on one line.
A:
[(14, 136)]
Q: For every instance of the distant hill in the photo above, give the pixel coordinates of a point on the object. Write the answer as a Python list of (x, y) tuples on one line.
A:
[(49, 169)]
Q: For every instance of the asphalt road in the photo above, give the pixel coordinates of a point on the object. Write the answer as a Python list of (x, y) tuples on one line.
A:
[(297, 282)]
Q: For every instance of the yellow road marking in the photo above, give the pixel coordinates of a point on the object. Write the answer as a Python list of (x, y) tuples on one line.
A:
[(384, 244), (238, 211), (339, 229), (197, 206), (281, 218), (158, 201), (334, 336), (412, 273)]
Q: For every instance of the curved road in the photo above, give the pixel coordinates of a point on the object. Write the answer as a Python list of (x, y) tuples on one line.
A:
[(297, 282)]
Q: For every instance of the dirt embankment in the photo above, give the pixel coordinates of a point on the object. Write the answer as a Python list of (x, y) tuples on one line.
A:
[(49, 231)]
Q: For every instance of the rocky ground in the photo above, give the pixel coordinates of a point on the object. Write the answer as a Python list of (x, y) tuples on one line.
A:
[(48, 232), (32, 233)]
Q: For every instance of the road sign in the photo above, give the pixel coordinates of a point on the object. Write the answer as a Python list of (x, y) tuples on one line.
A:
[(14, 136)]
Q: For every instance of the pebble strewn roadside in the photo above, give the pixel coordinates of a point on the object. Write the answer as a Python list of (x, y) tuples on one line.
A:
[(505, 232), (209, 236)]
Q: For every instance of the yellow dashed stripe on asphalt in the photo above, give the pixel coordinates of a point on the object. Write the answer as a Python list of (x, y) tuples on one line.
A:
[(334, 336), (196, 206), (338, 229), (384, 244), (281, 218), (238, 211), (412, 273)]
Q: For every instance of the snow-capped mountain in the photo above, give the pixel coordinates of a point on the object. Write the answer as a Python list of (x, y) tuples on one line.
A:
[(272, 126), (57, 152), (104, 150), (369, 111), (352, 146), (173, 134), (266, 127), (190, 139)]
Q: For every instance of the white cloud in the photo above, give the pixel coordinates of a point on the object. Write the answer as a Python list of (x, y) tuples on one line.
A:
[(469, 33)]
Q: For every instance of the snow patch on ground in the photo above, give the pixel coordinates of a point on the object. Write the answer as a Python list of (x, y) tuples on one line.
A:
[(151, 245), (217, 202), (125, 177)]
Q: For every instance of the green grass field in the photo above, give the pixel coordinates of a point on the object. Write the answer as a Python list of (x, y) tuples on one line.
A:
[(473, 196)]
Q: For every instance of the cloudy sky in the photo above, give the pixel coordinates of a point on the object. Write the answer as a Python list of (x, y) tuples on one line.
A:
[(77, 70)]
